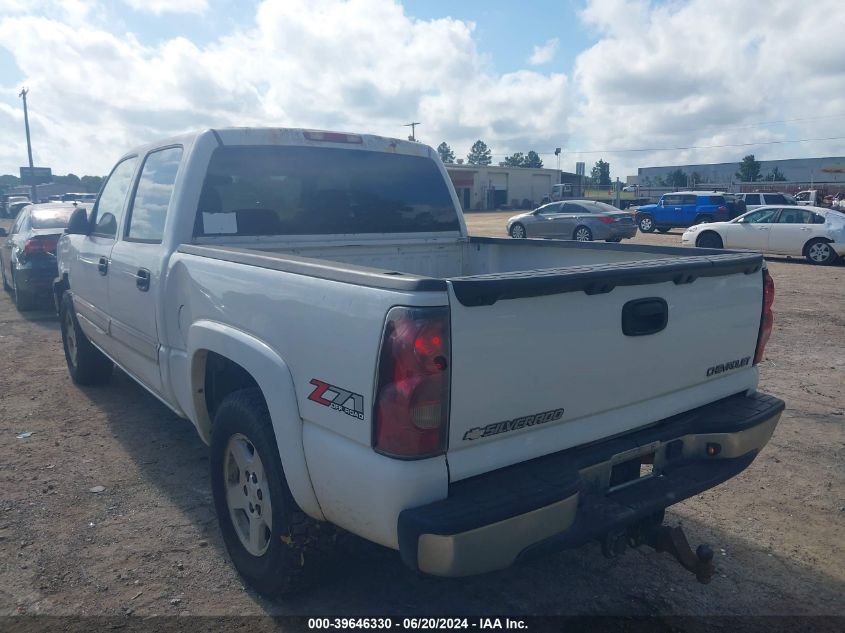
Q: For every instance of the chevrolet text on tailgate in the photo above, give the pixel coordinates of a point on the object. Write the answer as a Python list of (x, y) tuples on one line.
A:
[(312, 303)]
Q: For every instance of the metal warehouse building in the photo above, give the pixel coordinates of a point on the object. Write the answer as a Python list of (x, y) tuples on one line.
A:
[(489, 187), (829, 169)]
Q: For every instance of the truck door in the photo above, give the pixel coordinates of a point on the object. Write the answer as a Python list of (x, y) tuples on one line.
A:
[(89, 271), (137, 260)]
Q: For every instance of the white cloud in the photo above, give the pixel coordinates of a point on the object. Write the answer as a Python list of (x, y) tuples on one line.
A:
[(690, 73), (159, 7), (545, 53), (361, 65)]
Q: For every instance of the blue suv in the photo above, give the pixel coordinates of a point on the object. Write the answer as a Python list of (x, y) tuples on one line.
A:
[(682, 209)]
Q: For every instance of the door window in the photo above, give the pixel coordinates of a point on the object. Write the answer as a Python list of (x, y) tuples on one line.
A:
[(795, 216), (817, 219), (689, 199), (152, 196), (109, 209), (752, 198), (672, 200), (774, 198), (573, 208), (763, 216), (550, 208)]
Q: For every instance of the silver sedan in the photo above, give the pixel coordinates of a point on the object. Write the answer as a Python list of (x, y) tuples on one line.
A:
[(582, 220)]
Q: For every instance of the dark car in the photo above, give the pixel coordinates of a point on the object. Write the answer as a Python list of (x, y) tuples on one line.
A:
[(28, 252), (682, 209)]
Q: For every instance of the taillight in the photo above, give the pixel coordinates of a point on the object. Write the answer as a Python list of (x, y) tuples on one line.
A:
[(605, 219), (411, 410), (766, 318), (38, 245), (723, 209)]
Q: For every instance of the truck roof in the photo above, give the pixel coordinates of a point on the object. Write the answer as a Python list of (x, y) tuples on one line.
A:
[(294, 136)]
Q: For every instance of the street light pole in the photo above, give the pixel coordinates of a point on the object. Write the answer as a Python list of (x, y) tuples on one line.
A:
[(413, 125), (22, 95)]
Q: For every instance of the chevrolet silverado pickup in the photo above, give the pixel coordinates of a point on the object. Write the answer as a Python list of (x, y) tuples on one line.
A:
[(356, 362)]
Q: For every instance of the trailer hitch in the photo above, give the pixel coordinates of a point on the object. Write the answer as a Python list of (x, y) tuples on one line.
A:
[(662, 538), (672, 540)]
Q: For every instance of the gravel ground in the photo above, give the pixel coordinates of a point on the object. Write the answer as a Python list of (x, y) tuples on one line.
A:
[(148, 543)]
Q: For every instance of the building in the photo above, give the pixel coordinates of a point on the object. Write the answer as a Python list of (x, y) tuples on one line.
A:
[(829, 169), (492, 187)]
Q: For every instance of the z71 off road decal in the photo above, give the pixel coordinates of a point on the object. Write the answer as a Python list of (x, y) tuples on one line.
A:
[(512, 425), (337, 399)]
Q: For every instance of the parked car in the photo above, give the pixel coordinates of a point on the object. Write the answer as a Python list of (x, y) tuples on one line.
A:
[(630, 188), (78, 197), (28, 252), (582, 220), (736, 205), (13, 204), (312, 302), (765, 199), (812, 232), (682, 209)]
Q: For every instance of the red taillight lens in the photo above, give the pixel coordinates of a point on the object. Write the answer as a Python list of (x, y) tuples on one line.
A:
[(723, 209), (767, 318), (411, 409), (605, 219), (38, 245)]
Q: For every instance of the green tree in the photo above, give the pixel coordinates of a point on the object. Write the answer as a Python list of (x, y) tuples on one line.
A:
[(91, 184), (533, 160), (676, 178), (479, 154), (71, 180), (446, 153), (696, 179), (776, 175), (600, 173), (749, 169), (515, 160)]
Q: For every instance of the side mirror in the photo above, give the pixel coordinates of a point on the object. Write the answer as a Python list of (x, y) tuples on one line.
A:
[(78, 223), (3, 233)]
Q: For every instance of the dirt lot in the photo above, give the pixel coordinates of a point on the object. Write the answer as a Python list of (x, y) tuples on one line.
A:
[(148, 544)]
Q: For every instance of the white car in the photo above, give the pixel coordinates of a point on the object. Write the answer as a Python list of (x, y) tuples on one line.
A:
[(812, 232), (631, 188)]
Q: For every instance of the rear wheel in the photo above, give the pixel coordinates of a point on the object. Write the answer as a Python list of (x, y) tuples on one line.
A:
[(709, 240), (820, 253), (518, 231), (85, 363), (646, 223), (582, 234), (273, 544), (24, 300)]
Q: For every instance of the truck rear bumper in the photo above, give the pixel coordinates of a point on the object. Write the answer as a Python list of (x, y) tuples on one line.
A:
[(568, 498)]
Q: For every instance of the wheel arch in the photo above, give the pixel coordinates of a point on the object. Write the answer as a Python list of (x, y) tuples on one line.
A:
[(248, 361), (818, 238), (711, 232)]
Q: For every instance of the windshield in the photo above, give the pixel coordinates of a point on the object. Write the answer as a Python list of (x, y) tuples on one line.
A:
[(51, 218), (321, 191)]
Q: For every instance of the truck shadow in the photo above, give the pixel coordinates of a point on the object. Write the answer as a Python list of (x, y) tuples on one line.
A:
[(366, 579)]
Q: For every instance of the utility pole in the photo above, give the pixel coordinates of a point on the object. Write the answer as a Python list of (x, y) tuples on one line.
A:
[(413, 125), (22, 95)]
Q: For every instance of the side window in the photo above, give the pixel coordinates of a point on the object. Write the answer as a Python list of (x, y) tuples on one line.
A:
[(109, 207), (550, 208), (152, 196), (690, 200), (816, 219), (20, 221), (792, 215), (573, 208), (752, 198), (671, 200), (763, 216)]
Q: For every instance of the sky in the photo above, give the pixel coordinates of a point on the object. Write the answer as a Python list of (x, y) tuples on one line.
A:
[(688, 81)]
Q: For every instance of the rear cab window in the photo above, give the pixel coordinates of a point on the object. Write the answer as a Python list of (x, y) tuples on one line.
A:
[(52, 218), (294, 190)]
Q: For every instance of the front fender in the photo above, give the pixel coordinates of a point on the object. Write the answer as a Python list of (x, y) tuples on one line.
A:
[(274, 379)]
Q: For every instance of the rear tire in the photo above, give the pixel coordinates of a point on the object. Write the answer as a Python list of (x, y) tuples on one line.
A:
[(24, 301), (582, 234), (819, 253), (709, 240), (284, 550), (518, 231), (85, 363), (646, 223)]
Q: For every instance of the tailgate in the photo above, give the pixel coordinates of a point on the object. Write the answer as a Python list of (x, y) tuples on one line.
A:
[(540, 361)]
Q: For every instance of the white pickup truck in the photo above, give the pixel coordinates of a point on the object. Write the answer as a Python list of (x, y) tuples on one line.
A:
[(312, 303)]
